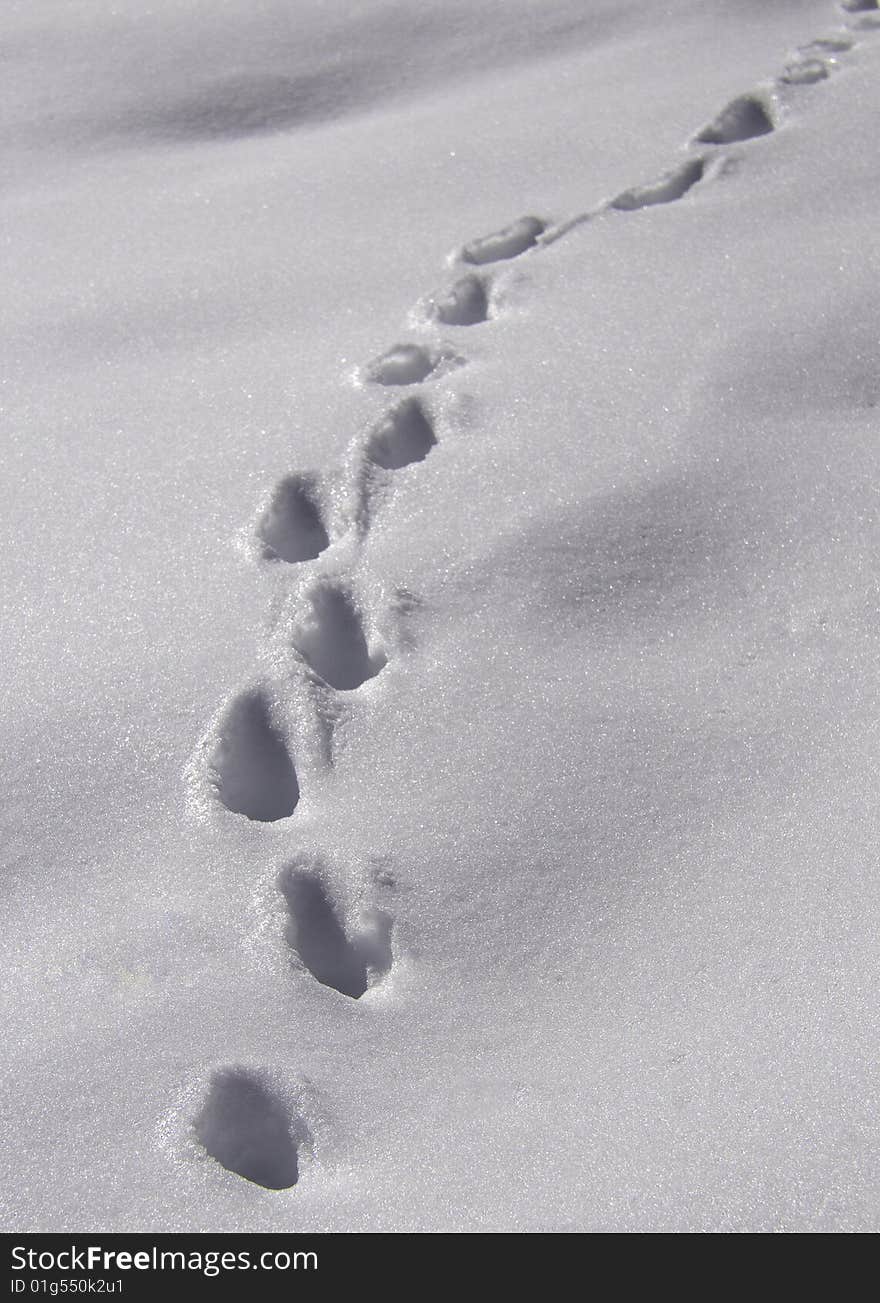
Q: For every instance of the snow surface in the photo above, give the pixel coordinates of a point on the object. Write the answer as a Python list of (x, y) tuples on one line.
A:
[(440, 688)]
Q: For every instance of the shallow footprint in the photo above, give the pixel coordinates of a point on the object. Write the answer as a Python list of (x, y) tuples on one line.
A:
[(804, 72), (829, 45), (254, 773), (507, 243), (318, 937), (466, 303), (248, 1130), (404, 364), (667, 188), (742, 119), (403, 436), (330, 637), (291, 528)]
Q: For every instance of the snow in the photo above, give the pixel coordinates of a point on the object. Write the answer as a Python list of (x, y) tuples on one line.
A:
[(440, 674)]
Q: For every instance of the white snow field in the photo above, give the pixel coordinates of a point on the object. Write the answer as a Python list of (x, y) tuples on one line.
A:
[(440, 649)]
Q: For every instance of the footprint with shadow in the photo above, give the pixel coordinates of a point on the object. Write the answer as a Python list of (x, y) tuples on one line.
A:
[(666, 189), (291, 527), (250, 765), (404, 435), (329, 635), (743, 118), (509, 242), (409, 364), (347, 960), (247, 1128), (465, 303)]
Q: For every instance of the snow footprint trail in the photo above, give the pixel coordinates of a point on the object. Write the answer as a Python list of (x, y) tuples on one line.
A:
[(245, 1124), (747, 117)]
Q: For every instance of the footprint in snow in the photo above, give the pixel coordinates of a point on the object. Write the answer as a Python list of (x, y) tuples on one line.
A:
[(742, 119), (665, 190), (507, 243), (249, 1130), (406, 364), (291, 528), (252, 770), (816, 60), (804, 72), (828, 45), (858, 6), (349, 961), (466, 303), (403, 435), (330, 637)]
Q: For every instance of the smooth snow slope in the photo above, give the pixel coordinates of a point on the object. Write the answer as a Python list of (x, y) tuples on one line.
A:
[(556, 906)]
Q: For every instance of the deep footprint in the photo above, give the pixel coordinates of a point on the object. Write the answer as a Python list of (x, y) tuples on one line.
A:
[(331, 638), (253, 772), (465, 303), (248, 1130), (665, 190), (405, 364), (507, 243), (317, 936), (291, 528), (403, 436), (742, 119), (858, 6)]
